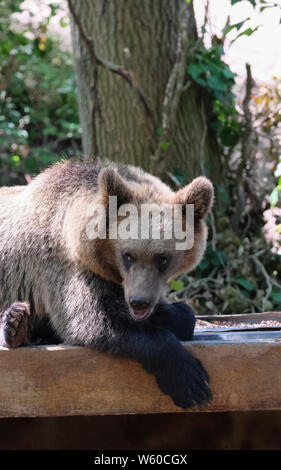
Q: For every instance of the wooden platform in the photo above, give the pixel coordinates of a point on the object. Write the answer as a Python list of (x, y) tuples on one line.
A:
[(53, 381)]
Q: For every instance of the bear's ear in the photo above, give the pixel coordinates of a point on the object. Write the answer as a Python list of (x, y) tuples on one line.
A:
[(110, 183), (200, 193)]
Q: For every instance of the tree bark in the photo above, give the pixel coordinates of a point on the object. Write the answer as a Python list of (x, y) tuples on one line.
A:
[(123, 121)]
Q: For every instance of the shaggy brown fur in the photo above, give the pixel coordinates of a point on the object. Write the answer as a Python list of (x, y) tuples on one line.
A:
[(82, 285)]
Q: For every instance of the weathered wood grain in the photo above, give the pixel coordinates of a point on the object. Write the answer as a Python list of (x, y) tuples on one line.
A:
[(64, 381)]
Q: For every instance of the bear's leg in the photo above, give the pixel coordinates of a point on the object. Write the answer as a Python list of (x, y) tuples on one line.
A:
[(94, 313), (15, 326), (177, 372), (178, 318)]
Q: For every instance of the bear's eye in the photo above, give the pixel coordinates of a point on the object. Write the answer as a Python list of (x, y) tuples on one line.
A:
[(163, 262), (127, 259)]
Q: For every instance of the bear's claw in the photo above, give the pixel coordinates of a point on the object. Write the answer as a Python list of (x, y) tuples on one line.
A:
[(15, 325)]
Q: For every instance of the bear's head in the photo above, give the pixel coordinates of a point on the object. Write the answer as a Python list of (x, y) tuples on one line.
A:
[(147, 234)]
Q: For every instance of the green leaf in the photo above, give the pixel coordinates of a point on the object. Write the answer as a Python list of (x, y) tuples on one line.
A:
[(15, 161), (274, 197), (31, 165), (276, 296), (64, 22), (222, 258), (165, 145), (228, 73), (176, 285), (229, 133), (253, 2), (238, 26), (204, 264), (201, 81), (247, 32), (195, 70), (245, 283), (217, 83), (160, 131), (48, 159)]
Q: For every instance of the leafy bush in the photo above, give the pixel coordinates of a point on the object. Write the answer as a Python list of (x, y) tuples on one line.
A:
[(235, 276), (241, 267), (38, 106), (207, 69)]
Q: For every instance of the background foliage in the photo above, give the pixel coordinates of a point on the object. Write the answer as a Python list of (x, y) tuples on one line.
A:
[(241, 269), (38, 105)]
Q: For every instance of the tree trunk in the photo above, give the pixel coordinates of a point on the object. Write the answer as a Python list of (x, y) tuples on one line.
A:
[(122, 119)]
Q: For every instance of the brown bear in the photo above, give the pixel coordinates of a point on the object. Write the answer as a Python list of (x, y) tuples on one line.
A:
[(103, 292)]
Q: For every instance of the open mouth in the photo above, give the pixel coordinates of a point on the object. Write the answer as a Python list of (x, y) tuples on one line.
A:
[(140, 315)]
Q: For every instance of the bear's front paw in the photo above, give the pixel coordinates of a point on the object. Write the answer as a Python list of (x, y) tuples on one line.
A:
[(185, 381), (15, 325)]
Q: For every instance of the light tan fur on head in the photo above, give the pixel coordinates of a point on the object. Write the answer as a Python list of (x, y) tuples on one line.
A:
[(105, 257)]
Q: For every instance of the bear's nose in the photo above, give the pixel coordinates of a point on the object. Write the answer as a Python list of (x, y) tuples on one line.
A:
[(139, 303)]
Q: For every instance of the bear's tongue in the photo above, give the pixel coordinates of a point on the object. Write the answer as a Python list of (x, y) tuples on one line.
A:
[(140, 313)]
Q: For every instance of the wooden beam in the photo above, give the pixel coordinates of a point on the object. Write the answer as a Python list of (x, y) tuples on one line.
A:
[(65, 381)]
